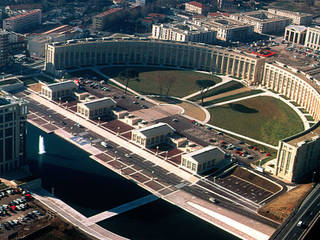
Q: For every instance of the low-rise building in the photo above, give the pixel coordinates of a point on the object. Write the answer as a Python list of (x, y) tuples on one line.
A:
[(203, 160), (23, 22), (57, 91), (313, 38), (263, 21), (96, 108), (297, 18), (295, 34), (152, 135)]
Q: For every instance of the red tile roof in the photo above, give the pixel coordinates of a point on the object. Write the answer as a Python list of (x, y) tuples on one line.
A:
[(110, 11), (23, 15), (196, 4)]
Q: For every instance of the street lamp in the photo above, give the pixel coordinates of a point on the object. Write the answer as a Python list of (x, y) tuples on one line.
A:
[(49, 119), (99, 121), (115, 155), (118, 130), (166, 155), (71, 128), (66, 104), (91, 141), (59, 100), (157, 147), (152, 175)]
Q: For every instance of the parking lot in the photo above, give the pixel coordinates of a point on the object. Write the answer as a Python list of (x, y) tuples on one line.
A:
[(18, 210)]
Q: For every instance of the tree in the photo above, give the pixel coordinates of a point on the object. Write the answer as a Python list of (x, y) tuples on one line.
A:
[(204, 86), (128, 75)]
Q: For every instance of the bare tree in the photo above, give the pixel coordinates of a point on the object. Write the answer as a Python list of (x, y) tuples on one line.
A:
[(204, 85), (128, 75)]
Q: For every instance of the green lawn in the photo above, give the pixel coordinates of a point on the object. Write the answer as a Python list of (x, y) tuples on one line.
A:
[(263, 118), (231, 97), (28, 81), (229, 86), (43, 78), (178, 83)]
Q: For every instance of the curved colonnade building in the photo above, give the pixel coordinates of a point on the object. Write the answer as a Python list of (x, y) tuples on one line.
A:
[(298, 156)]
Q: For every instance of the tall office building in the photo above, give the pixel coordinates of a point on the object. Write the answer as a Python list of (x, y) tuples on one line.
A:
[(13, 115), (4, 43)]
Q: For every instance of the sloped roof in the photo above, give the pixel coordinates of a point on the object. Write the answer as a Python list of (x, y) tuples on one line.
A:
[(196, 4), (62, 85), (99, 103), (206, 154), (156, 129), (298, 28)]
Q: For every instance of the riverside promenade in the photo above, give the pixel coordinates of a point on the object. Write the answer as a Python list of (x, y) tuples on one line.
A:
[(172, 194)]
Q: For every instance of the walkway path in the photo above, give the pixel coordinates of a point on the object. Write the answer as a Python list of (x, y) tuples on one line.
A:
[(122, 208)]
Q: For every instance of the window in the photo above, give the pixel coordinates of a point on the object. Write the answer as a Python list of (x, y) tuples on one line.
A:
[(193, 167), (188, 164), (184, 162)]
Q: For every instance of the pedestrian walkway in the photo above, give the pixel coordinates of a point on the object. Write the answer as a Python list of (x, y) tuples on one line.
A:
[(122, 208)]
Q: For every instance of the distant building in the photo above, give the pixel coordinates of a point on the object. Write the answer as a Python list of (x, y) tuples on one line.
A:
[(263, 21), (295, 34), (13, 116), (313, 38), (298, 156), (152, 135), (227, 29), (101, 21), (4, 48), (57, 91), (96, 108), (183, 33), (297, 18), (23, 22), (195, 7), (203, 160)]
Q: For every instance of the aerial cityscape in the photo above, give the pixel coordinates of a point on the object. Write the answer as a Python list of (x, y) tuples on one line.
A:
[(159, 119)]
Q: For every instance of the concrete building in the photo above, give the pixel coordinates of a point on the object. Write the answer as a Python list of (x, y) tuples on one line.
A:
[(96, 108), (57, 91), (195, 7), (226, 28), (298, 156), (149, 52), (295, 34), (263, 21), (183, 33), (4, 48), (297, 18), (13, 115), (152, 135), (23, 22), (203, 160), (313, 38), (101, 21)]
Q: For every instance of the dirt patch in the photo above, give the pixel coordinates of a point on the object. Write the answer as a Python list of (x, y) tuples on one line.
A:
[(281, 207), (240, 90), (256, 179), (193, 111), (35, 87)]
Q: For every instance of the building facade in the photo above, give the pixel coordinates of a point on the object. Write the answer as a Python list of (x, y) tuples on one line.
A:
[(4, 48), (147, 52), (297, 18), (203, 160), (23, 22), (295, 34), (263, 21), (195, 7), (13, 115), (152, 135), (58, 91), (101, 21), (313, 38), (175, 32), (96, 108)]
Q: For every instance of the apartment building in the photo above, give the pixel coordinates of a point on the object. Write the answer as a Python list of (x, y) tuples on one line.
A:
[(101, 21), (297, 18), (195, 7), (23, 22), (13, 115), (4, 48)]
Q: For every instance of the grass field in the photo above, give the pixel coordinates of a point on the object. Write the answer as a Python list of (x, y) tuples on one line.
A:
[(178, 83), (229, 86), (263, 118), (231, 97), (28, 81)]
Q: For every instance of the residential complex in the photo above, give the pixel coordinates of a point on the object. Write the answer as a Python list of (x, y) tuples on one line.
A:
[(102, 20), (4, 47), (195, 7), (23, 22), (13, 114), (152, 135), (264, 22), (183, 33), (313, 38), (204, 159), (297, 18), (96, 108), (295, 34)]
